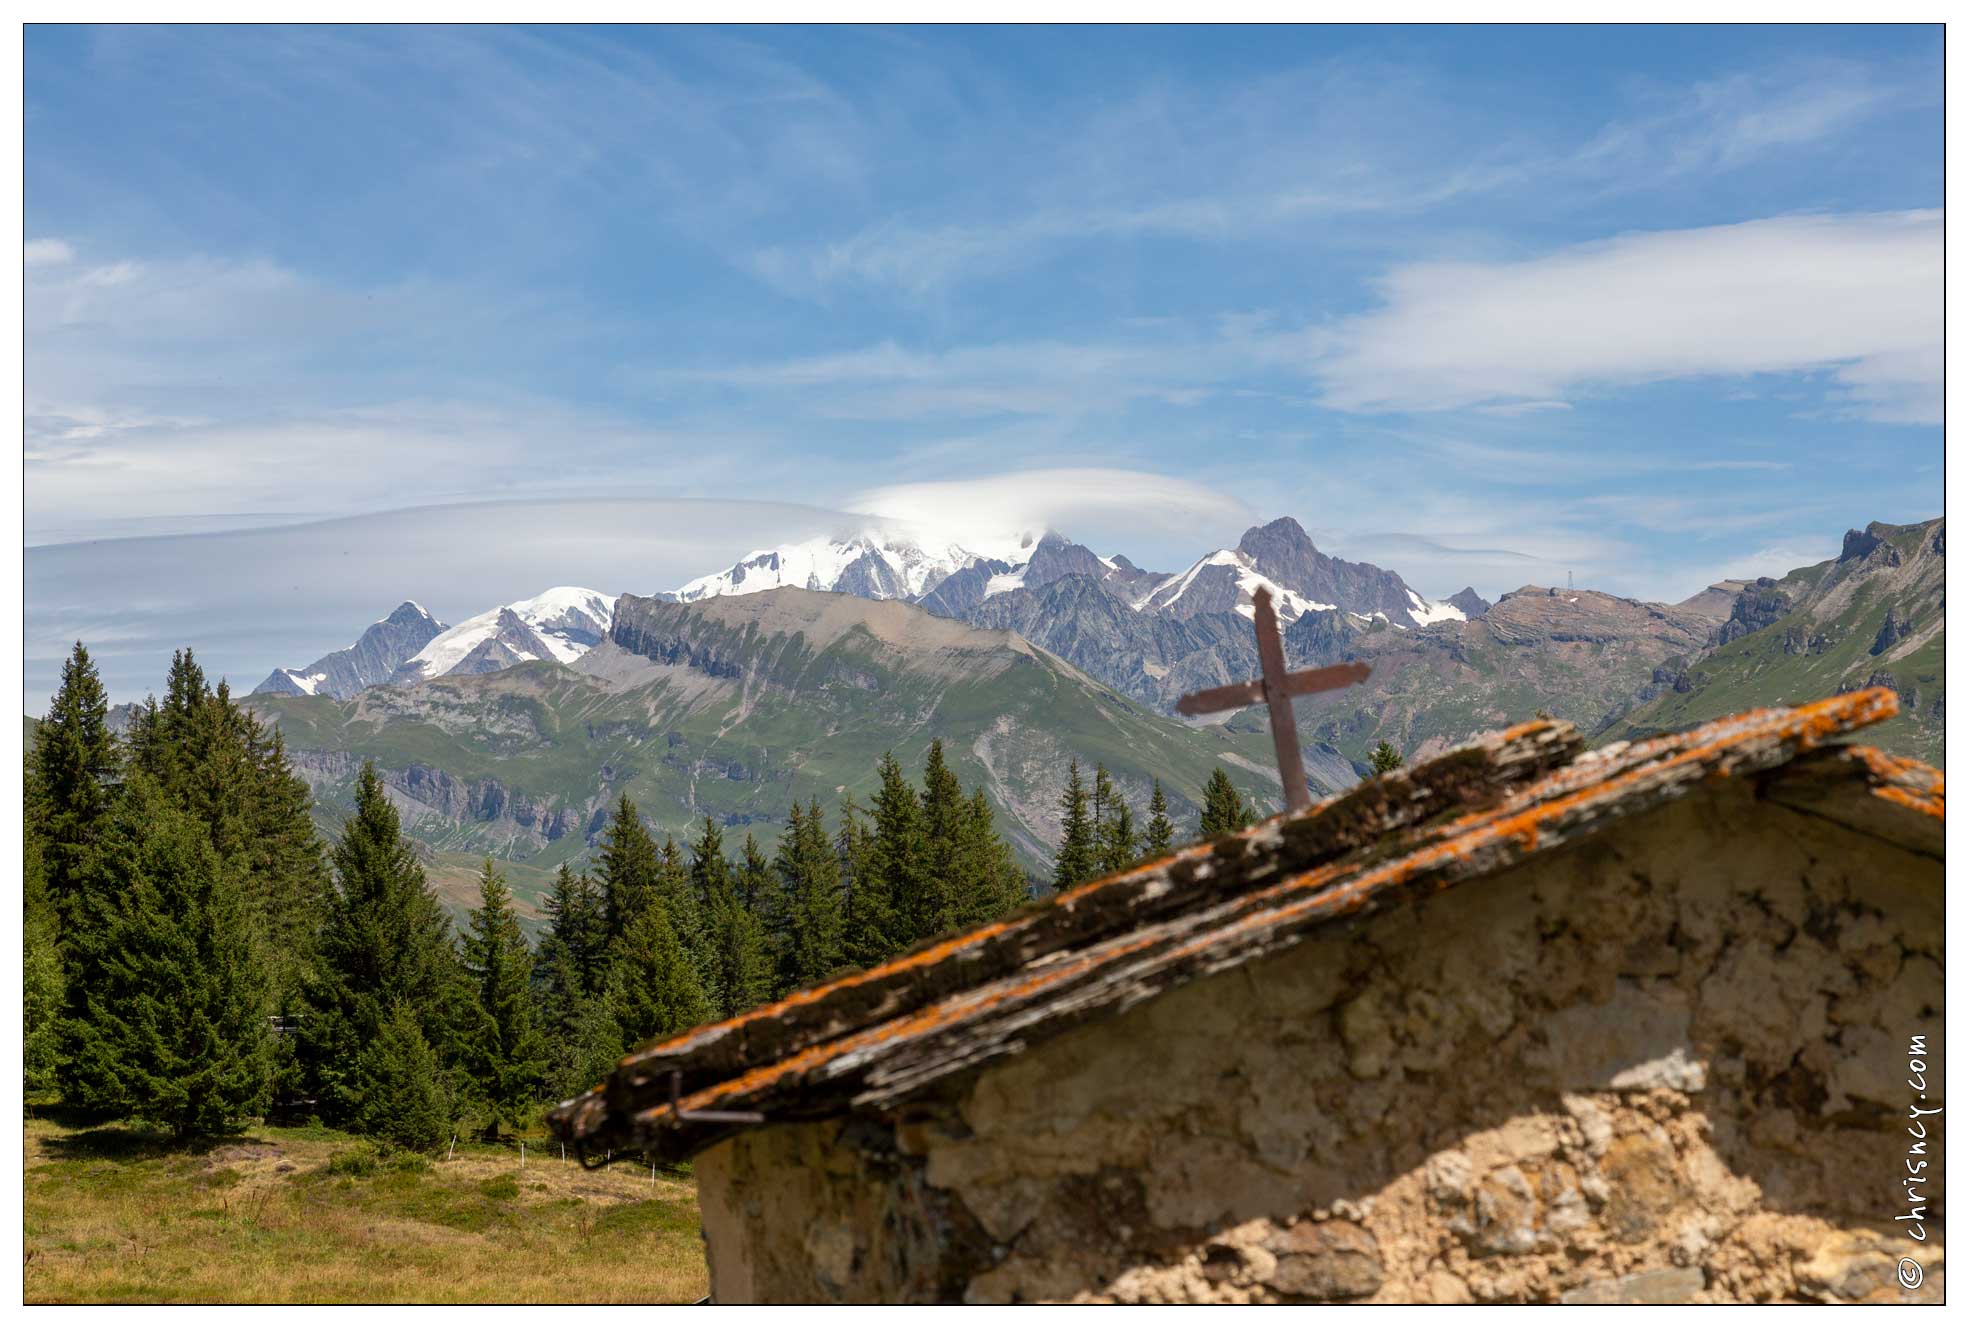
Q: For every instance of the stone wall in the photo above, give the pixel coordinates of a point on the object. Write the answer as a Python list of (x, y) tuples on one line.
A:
[(1667, 1064)]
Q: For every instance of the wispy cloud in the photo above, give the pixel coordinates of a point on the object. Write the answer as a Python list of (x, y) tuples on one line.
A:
[(1336, 141), (36, 252), (1855, 297)]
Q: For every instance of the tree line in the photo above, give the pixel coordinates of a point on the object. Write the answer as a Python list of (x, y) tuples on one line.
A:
[(1097, 827), (196, 953)]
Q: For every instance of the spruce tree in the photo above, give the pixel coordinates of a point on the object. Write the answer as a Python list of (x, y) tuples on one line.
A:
[(385, 944), (41, 972), (807, 925), (165, 1014), (753, 880), (1079, 856), (1224, 809), (596, 1044), (677, 893), (285, 863), (741, 973), (1118, 841), (626, 868), (898, 855), (947, 879), (1385, 757), (505, 1053), (870, 932), (569, 966), (406, 1102), (744, 964), (996, 884), (1103, 799), (72, 777), (1160, 834), (711, 871), (654, 988), (571, 974)]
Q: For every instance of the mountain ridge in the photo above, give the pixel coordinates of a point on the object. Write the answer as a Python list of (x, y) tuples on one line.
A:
[(734, 708)]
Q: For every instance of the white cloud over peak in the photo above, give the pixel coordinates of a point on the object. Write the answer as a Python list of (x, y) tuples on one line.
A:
[(1094, 505), (1858, 296)]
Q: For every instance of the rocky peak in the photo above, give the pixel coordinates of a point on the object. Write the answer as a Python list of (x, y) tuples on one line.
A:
[(372, 658), (1859, 544), (1282, 551), (1055, 557), (1282, 543), (1472, 604)]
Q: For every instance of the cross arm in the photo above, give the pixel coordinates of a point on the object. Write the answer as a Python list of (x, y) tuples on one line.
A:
[(1234, 695), (1227, 698), (1327, 679)]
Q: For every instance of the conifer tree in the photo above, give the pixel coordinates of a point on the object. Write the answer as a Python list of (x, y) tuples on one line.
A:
[(996, 883), (1118, 841), (711, 871), (948, 878), (286, 865), (1078, 858), (897, 855), (385, 944), (1160, 834), (870, 932), (1103, 799), (573, 956), (41, 972), (1385, 757), (72, 777), (740, 971), (807, 922), (754, 877), (165, 1017), (1224, 809), (594, 1046), (677, 892), (654, 989), (743, 964), (406, 1102), (627, 867), (571, 972), (506, 1056)]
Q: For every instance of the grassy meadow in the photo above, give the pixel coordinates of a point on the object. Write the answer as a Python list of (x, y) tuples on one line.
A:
[(302, 1214)]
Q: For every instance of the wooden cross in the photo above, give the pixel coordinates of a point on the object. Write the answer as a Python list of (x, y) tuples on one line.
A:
[(1276, 689)]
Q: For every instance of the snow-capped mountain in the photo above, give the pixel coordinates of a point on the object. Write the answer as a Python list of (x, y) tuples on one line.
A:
[(372, 658), (875, 565), (1224, 579), (951, 580), (559, 624), (1281, 556), (1121, 622)]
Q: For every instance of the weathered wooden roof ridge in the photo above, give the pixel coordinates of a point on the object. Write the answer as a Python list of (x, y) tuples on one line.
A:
[(876, 1038)]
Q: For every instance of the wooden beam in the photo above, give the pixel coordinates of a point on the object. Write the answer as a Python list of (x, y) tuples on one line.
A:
[(1278, 701)]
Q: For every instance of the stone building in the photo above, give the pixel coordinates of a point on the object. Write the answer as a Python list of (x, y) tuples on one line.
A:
[(1516, 1024)]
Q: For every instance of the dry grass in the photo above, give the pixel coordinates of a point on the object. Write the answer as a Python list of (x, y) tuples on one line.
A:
[(309, 1215)]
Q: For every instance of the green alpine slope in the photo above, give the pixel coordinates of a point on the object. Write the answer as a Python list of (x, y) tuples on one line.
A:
[(736, 706), (1870, 618), (1575, 655)]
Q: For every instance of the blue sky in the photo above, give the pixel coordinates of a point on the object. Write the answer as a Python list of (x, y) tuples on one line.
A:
[(1483, 305)]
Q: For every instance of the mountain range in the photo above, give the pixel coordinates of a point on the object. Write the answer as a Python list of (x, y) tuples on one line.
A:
[(789, 673)]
